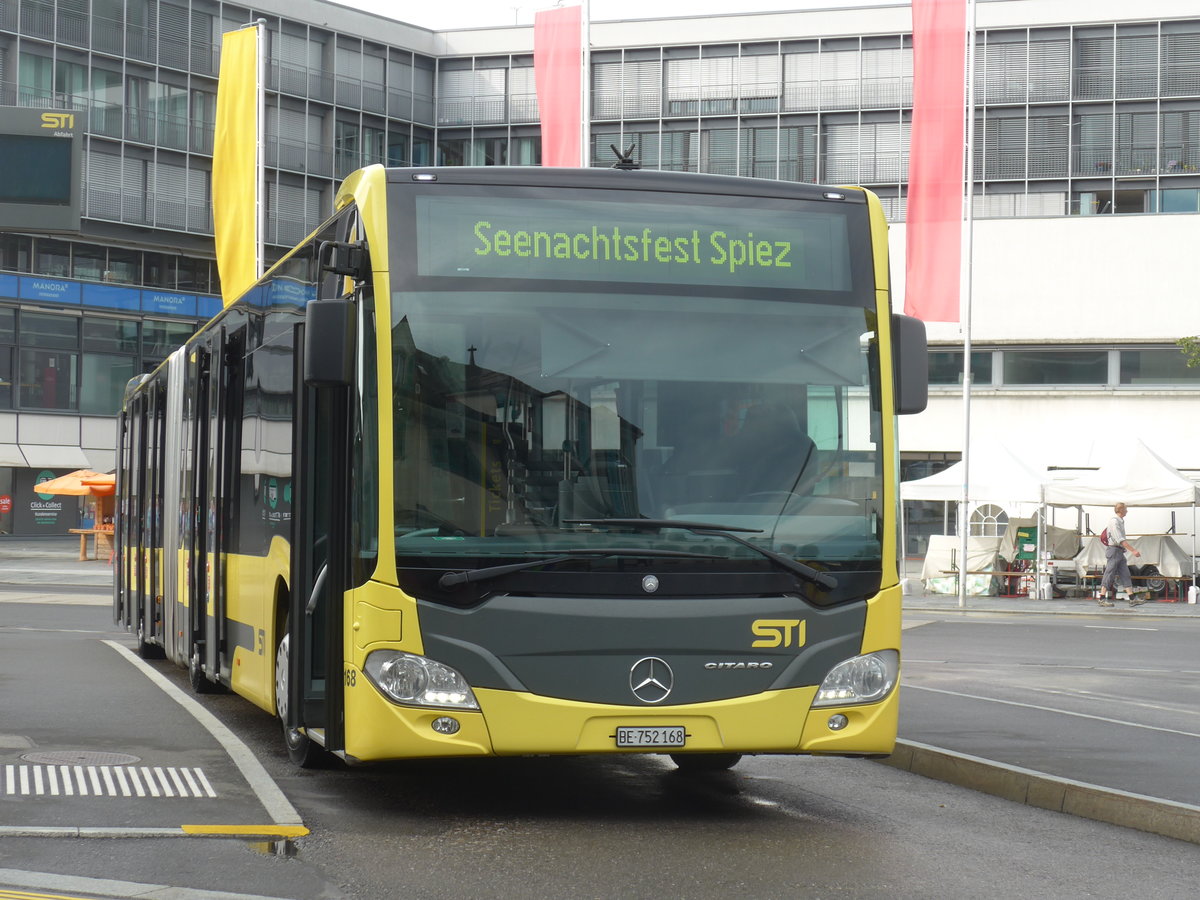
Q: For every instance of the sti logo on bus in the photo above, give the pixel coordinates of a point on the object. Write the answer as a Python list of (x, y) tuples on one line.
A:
[(778, 632)]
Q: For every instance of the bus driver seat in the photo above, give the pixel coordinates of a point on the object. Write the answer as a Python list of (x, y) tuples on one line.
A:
[(771, 451)]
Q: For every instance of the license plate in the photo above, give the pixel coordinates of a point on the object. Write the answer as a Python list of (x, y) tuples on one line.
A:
[(651, 736)]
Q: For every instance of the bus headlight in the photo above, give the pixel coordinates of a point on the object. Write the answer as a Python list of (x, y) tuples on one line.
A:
[(418, 681), (862, 679)]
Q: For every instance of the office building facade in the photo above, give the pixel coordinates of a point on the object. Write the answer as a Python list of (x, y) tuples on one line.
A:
[(1086, 187)]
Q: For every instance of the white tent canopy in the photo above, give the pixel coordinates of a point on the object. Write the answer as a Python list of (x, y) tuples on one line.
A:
[(1133, 474), (1159, 550), (997, 476)]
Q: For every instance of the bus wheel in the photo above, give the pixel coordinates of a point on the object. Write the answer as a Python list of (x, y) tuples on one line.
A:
[(196, 679), (145, 649), (301, 749), (697, 763)]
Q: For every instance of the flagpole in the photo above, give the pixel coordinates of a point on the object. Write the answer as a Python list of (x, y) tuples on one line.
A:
[(965, 283), (585, 87), (260, 218)]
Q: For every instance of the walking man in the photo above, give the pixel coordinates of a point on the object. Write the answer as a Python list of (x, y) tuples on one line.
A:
[(1116, 568)]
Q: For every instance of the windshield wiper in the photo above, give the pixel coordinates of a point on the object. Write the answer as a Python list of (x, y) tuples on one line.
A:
[(656, 524), (454, 579), (821, 579)]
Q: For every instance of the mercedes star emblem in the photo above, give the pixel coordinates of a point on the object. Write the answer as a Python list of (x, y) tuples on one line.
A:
[(651, 679), (650, 584)]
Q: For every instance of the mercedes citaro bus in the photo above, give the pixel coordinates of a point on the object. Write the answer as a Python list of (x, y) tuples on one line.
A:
[(508, 461)]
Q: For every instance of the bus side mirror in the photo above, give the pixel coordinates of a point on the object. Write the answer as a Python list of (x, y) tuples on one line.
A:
[(329, 324), (910, 359), (329, 339)]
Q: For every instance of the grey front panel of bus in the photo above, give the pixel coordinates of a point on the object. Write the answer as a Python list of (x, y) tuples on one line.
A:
[(584, 648)]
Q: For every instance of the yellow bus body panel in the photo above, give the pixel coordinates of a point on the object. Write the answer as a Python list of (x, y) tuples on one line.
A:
[(250, 601), (882, 628), (516, 724)]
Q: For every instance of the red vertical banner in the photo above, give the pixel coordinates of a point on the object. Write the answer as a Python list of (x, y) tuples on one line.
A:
[(558, 73), (935, 161)]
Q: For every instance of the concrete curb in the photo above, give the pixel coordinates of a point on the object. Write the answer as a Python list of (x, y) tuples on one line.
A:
[(1076, 798)]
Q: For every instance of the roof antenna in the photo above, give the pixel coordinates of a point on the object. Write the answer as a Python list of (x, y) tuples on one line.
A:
[(624, 160)]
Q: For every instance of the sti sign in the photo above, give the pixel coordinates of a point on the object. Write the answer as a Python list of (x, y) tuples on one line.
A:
[(42, 171)]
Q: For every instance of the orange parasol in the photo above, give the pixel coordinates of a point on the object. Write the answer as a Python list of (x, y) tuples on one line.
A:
[(101, 485), (80, 483)]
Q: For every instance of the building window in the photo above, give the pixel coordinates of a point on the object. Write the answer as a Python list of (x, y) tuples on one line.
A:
[(471, 96), (103, 382), (107, 106), (1037, 367), (6, 374), (400, 87), (346, 148), (87, 262), (423, 82), (422, 148), (946, 367), (866, 153), (159, 338), (1180, 64), (1179, 200), (397, 148), (1112, 202), (988, 520), (452, 151), (8, 337), (139, 111), (194, 276), (1157, 367), (522, 95), (36, 74), (171, 108), (52, 258), (16, 252), (627, 90), (48, 379), (1180, 144), (123, 266), (203, 118), (993, 205), (110, 335), (887, 77), (374, 145), (525, 151)]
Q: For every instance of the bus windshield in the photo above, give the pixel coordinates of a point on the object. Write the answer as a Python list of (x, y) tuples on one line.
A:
[(527, 419)]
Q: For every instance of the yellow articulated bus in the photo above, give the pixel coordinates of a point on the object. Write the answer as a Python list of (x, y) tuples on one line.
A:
[(512, 461)]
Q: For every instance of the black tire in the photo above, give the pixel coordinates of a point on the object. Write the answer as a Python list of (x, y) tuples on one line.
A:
[(301, 750), (145, 649), (196, 678), (699, 763)]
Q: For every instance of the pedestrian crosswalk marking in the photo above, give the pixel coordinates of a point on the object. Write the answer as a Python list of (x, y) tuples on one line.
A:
[(105, 781)]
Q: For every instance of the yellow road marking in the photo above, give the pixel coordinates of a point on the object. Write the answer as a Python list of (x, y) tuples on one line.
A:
[(283, 831), (25, 895)]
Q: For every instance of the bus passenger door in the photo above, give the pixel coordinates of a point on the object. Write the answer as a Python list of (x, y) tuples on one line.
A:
[(199, 428), (320, 543), (216, 444)]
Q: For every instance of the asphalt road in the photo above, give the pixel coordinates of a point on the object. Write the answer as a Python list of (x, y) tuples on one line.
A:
[(978, 683), (570, 828), (1081, 697)]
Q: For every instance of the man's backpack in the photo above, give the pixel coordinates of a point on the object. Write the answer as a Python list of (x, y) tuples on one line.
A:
[(1104, 537)]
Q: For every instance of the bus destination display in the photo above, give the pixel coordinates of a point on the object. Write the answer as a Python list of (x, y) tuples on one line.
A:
[(588, 240)]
